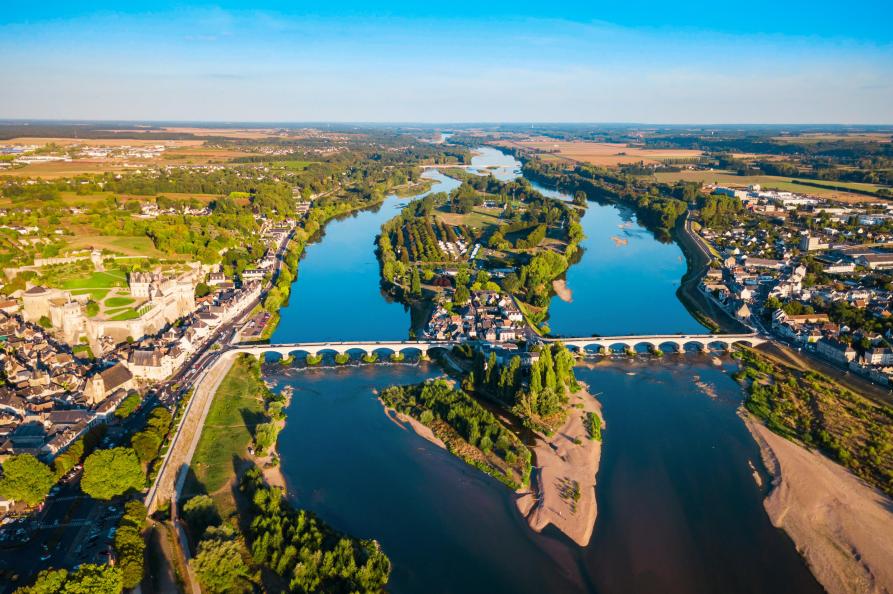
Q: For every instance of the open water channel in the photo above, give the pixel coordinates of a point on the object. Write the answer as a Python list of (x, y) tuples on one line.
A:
[(679, 507)]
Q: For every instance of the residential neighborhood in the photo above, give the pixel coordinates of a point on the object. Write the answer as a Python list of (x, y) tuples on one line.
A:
[(804, 269)]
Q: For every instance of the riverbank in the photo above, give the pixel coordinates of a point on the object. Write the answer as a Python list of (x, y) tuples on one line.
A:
[(697, 259), (404, 421), (840, 524), (565, 476)]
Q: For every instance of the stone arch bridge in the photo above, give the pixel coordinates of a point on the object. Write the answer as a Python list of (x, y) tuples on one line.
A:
[(583, 345), (340, 348), (678, 342)]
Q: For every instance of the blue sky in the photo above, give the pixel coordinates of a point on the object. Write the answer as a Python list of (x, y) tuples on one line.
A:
[(657, 62)]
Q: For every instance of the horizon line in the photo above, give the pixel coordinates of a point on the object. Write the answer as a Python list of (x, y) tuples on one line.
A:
[(76, 121)]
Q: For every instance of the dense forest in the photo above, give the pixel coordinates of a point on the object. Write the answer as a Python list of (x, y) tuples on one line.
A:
[(308, 554)]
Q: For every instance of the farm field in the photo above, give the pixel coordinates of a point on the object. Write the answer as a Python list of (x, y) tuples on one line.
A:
[(57, 169), (70, 198), (123, 141), (784, 184), (601, 153), (822, 137), (291, 165)]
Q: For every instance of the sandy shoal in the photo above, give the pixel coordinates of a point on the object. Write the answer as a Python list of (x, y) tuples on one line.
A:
[(559, 462), (421, 430), (561, 289), (842, 526)]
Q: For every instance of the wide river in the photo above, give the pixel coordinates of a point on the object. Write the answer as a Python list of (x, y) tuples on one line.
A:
[(679, 507)]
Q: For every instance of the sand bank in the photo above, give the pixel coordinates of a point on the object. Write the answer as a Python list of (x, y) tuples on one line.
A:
[(421, 430), (842, 526), (561, 463), (560, 288)]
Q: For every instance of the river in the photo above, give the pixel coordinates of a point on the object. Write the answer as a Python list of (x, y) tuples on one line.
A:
[(337, 293), (679, 509)]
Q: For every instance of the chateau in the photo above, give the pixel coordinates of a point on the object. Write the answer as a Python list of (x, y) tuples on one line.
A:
[(160, 300)]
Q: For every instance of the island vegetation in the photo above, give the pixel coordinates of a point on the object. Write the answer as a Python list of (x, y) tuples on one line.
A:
[(536, 392), (468, 430), (516, 239)]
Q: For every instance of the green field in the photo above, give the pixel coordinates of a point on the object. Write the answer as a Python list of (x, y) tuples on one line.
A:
[(785, 184), (98, 280), (227, 432), (291, 165), (479, 218), (129, 245)]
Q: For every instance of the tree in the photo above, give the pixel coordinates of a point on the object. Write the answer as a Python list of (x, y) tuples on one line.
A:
[(510, 282), (146, 445), (159, 420), (45, 322), (219, 564), (90, 579), (462, 295), (128, 405), (130, 546), (200, 513), (26, 479), (202, 290), (265, 435), (416, 288), (273, 300), (109, 473), (49, 581)]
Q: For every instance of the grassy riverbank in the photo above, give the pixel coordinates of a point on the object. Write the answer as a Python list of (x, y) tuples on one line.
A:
[(267, 541), (237, 409), (810, 408)]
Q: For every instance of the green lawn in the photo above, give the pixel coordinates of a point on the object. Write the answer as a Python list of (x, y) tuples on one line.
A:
[(95, 294), (478, 218), (127, 314), (118, 301), (98, 280), (226, 433)]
